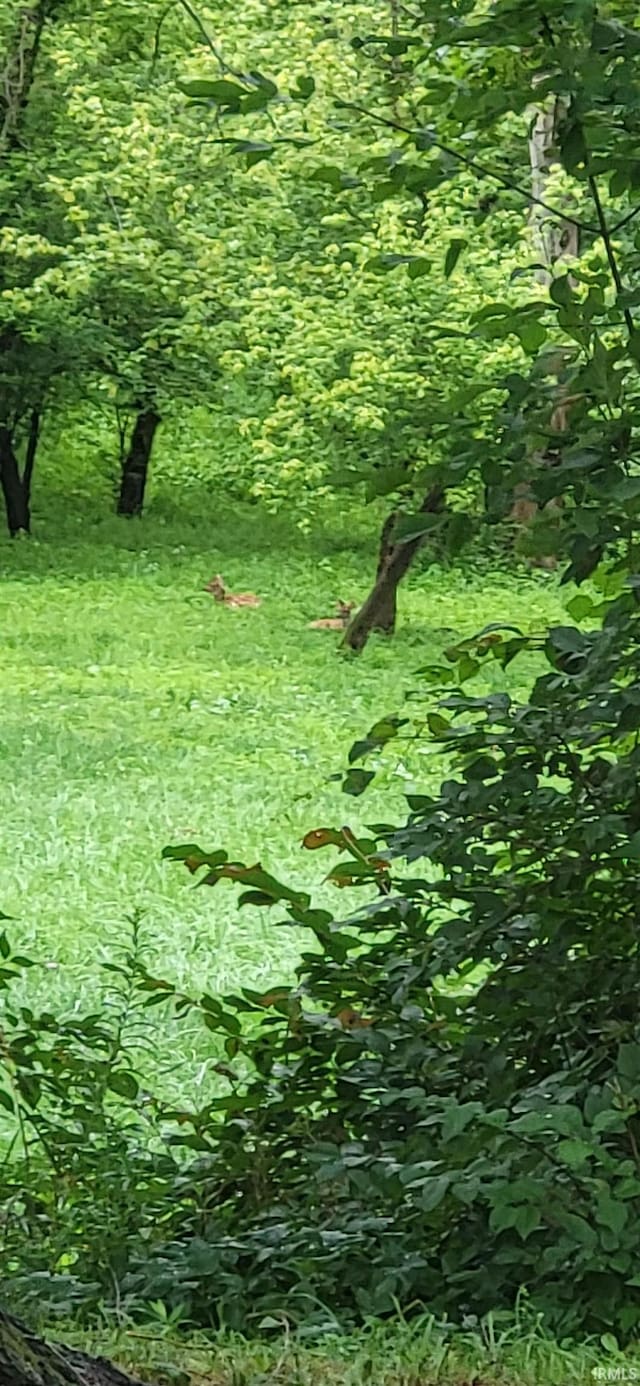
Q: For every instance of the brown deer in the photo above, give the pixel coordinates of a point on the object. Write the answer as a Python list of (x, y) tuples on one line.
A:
[(339, 622), (219, 593)]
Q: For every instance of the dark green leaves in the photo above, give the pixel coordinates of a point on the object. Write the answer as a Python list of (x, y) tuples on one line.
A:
[(453, 255), (356, 781), (304, 89), (415, 526), (220, 90), (230, 96), (124, 1084), (332, 177), (417, 265)]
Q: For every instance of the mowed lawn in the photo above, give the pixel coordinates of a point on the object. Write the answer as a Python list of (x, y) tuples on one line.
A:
[(138, 713)]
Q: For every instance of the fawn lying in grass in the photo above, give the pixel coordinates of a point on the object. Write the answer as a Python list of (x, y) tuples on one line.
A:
[(339, 622), (220, 594)]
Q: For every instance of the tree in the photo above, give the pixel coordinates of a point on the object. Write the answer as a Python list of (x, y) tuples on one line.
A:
[(26, 1360), (18, 65), (447, 1101), (379, 611), (353, 380), (457, 1071)]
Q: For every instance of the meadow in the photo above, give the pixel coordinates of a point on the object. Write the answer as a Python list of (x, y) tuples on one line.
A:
[(137, 713)]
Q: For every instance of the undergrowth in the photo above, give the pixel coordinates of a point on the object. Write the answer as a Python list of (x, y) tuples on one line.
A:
[(500, 1350)]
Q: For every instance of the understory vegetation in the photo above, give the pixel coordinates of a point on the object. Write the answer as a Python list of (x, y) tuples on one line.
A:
[(319, 392)]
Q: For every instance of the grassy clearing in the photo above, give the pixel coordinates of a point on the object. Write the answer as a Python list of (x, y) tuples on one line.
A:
[(497, 1352), (137, 713)]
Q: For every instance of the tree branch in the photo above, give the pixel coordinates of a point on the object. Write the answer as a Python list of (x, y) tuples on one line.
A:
[(611, 256), (224, 67), (164, 14), (475, 167), (624, 221)]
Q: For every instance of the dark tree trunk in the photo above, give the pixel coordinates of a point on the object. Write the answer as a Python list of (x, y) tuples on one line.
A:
[(135, 467), (26, 1360), (14, 486), (384, 619), (32, 448), (378, 612)]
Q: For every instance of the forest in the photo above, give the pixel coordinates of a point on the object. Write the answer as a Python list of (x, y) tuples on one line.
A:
[(320, 675)]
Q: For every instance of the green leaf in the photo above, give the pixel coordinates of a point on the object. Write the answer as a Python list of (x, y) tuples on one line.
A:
[(334, 178), (414, 526), (453, 254), (574, 1152), (418, 267), (561, 292), (467, 667), (532, 335), (610, 1120), (255, 150), (578, 1228), (437, 724), (573, 150), (503, 1216), (433, 1192), (629, 1061), (356, 781), (611, 1213), (580, 606), (527, 1220), (415, 1176), (184, 851), (384, 480), (304, 88), (458, 1117), (219, 89), (382, 264), (124, 1084)]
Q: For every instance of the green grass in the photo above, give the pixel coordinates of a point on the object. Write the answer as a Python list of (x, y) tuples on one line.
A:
[(500, 1351), (137, 713)]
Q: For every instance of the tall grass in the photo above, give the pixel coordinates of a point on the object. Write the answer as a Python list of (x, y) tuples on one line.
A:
[(499, 1351)]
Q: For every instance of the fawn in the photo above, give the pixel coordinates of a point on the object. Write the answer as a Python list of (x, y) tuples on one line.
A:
[(339, 622), (219, 593)]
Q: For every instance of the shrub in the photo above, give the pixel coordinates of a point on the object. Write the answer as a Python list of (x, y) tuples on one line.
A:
[(445, 1109)]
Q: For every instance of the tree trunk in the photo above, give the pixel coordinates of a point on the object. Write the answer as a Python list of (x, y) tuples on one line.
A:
[(385, 616), (136, 464), (14, 490), (26, 1360), (554, 240), (32, 448), (379, 610)]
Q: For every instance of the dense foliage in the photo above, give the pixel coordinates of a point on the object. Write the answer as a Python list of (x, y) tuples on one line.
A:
[(444, 1110)]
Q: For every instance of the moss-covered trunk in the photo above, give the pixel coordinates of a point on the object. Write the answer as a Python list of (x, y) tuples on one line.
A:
[(27, 1360)]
